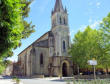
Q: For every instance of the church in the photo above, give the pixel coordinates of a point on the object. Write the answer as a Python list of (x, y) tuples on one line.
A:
[(48, 55)]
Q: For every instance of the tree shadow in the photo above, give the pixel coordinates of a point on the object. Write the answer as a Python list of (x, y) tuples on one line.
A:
[(11, 77)]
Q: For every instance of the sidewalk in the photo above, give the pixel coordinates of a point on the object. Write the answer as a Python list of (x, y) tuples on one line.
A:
[(7, 81)]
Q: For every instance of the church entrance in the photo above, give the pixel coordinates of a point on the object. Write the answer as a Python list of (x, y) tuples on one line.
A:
[(64, 70)]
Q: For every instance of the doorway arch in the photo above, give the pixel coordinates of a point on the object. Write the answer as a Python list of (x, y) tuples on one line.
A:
[(64, 70)]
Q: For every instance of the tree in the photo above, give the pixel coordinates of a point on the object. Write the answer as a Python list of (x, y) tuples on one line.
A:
[(92, 44), (105, 43), (105, 26), (12, 24), (86, 46), (28, 27)]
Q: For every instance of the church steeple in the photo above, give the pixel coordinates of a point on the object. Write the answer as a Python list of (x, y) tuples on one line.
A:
[(60, 29), (59, 15), (58, 6)]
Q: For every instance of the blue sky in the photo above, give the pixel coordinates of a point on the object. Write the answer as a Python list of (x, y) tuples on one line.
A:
[(80, 13)]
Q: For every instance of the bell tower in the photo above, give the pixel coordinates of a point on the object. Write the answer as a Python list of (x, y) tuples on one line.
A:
[(59, 15), (60, 29)]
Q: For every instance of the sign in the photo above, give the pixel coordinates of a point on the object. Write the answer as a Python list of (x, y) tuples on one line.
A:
[(92, 62)]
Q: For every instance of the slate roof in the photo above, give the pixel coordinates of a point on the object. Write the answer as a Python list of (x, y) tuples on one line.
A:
[(43, 43)]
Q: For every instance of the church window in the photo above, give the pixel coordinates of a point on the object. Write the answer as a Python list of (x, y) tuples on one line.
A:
[(60, 20), (33, 50), (64, 46), (64, 21), (41, 58)]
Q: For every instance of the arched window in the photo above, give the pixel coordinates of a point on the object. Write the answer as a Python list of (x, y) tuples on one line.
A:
[(60, 21), (64, 21), (41, 58), (64, 46)]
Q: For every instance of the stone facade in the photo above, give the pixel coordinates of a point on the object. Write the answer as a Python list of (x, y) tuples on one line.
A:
[(48, 55)]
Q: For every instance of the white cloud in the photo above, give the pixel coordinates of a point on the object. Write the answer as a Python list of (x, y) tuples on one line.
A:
[(71, 32), (90, 20), (82, 27), (98, 4), (93, 25)]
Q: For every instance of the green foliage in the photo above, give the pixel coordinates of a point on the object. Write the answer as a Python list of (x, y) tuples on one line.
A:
[(105, 26), (2, 66), (85, 47), (13, 26), (91, 82), (105, 43), (92, 44), (16, 79), (28, 27), (83, 81)]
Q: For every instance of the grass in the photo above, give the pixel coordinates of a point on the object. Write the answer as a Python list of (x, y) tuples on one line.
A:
[(92, 82), (97, 81), (17, 80)]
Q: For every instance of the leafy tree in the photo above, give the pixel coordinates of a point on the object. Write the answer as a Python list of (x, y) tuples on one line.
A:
[(86, 46), (92, 44), (105, 26), (28, 27), (105, 43), (13, 26)]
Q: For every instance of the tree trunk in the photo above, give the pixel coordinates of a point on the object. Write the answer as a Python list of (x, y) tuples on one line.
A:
[(78, 70), (106, 70)]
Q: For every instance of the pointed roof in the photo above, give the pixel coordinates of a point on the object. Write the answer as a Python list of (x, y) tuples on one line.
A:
[(58, 6)]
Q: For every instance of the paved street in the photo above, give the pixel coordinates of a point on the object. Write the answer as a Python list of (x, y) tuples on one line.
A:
[(6, 80), (55, 80), (43, 81)]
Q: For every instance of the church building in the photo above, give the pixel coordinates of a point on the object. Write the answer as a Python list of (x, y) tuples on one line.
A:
[(48, 55)]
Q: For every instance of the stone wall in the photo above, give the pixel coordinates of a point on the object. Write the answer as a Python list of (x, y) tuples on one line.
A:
[(57, 65), (41, 69)]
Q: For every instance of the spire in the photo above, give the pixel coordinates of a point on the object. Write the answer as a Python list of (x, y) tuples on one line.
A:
[(58, 6), (65, 10)]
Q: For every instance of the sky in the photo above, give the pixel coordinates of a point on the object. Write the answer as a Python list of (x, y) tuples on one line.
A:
[(81, 13)]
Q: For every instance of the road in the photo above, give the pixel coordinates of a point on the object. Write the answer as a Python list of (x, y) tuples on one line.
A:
[(43, 81)]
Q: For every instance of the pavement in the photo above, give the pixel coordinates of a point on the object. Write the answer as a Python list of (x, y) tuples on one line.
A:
[(7, 80), (55, 80)]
